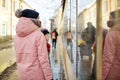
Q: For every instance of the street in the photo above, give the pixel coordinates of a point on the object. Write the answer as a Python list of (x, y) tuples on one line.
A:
[(63, 64)]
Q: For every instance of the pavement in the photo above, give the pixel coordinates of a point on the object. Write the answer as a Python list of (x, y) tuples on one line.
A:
[(14, 75), (7, 44), (7, 55)]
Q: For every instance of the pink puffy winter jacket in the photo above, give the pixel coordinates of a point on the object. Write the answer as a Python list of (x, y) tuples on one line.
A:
[(111, 56), (31, 52)]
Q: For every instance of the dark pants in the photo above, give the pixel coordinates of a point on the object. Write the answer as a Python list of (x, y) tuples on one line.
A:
[(93, 74), (69, 41), (54, 41), (89, 50)]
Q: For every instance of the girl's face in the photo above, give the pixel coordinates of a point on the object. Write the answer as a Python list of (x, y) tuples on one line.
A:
[(47, 37)]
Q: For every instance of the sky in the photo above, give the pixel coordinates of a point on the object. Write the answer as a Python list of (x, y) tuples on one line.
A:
[(48, 8)]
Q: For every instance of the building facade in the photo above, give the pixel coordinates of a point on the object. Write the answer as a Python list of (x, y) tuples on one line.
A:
[(7, 17), (89, 14)]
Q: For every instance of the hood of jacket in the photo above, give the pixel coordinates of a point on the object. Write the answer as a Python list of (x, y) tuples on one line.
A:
[(115, 28), (25, 26)]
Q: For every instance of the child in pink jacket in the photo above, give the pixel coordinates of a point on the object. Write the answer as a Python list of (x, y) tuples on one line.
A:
[(31, 51), (111, 54)]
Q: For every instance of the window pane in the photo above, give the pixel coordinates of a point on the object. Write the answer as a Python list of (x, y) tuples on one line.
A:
[(3, 3), (118, 3), (3, 29), (105, 6)]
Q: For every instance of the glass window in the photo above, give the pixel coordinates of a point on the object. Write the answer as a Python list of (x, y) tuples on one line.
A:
[(105, 6), (14, 5), (118, 3), (3, 29), (3, 3)]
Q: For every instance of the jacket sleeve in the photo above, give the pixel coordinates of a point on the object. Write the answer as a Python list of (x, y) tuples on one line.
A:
[(43, 58), (108, 54)]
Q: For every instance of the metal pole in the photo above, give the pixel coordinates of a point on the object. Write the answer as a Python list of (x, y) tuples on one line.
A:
[(11, 20), (70, 18), (76, 38), (99, 40), (51, 24)]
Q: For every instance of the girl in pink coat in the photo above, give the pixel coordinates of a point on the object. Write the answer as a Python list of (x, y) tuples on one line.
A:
[(111, 54), (31, 50)]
